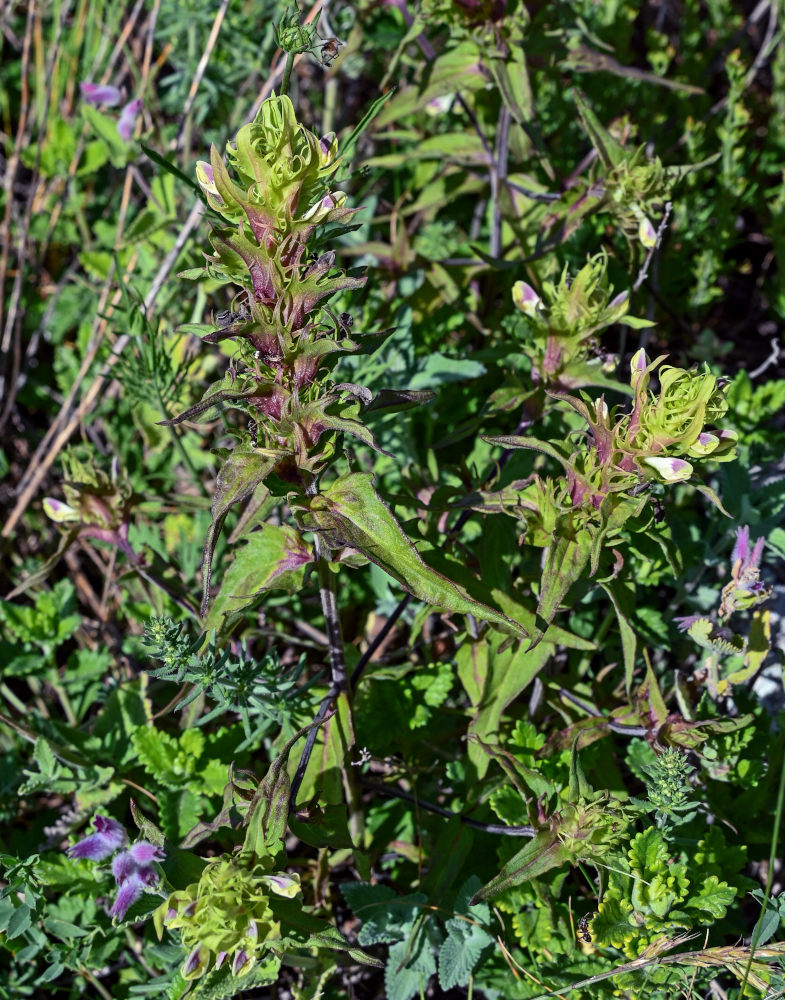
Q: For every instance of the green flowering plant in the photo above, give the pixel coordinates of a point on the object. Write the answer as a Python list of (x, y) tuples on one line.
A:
[(633, 187), (564, 322), (586, 825), (245, 914), (226, 916), (651, 895), (744, 591), (606, 480)]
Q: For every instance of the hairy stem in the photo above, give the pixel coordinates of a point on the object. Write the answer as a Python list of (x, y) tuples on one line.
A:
[(287, 72)]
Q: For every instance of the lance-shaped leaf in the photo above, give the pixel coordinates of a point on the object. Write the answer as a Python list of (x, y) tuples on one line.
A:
[(544, 852), (240, 475), (610, 152), (350, 512), (225, 392), (529, 443), (399, 399), (623, 600), (565, 560), (273, 558)]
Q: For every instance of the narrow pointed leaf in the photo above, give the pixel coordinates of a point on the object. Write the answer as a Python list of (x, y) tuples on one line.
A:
[(350, 512)]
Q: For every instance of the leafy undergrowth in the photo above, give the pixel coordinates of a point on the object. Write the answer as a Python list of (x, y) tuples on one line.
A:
[(392, 485)]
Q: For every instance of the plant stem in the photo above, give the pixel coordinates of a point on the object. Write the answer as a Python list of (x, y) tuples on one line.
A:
[(287, 72), (380, 637), (475, 824), (338, 690), (332, 622), (181, 447)]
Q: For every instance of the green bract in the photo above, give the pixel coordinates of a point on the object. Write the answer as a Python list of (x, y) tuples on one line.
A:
[(563, 325), (226, 915)]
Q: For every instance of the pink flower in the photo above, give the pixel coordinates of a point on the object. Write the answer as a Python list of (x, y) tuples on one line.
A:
[(127, 121), (108, 837), (132, 868), (100, 93)]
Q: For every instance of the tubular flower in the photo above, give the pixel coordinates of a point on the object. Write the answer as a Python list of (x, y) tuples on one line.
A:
[(109, 836), (132, 869), (745, 589)]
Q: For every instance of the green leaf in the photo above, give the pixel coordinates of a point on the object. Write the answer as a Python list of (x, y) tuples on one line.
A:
[(386, 917), (622, 598), (239, 476), (611, 926), (459, 68), (544, 852), (106, 128), (222, 985), (20, 921), (713, 900), (350, 143), (466, 938), (460, 952), (504, 676), (64, 929), (610, 152), (409, 967), (565, 560), (350, 512), (273, 557), (648, 853)]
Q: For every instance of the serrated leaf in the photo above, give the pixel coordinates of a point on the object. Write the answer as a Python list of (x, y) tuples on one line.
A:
[(222, 985), (611, 926), (385, 916), (713, 899), (409, 967), (459, 954), (350, 512), (648, 852)]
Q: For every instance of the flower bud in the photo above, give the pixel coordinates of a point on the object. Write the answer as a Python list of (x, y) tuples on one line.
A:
[(97, 93), (670, 470), (60, 512), (704, 445), (647, 234), (525, 298)]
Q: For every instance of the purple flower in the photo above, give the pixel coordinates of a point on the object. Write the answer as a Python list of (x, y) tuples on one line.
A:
[(108, 837), (130, 890), (741, 550), (685, 624), (132, 868), (132, 871), (98, 93), (144, 852), (127, 121)]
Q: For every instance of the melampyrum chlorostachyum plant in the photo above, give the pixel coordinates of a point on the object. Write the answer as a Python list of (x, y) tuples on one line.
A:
[(279, 207), (623, 455), (276, 197)]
